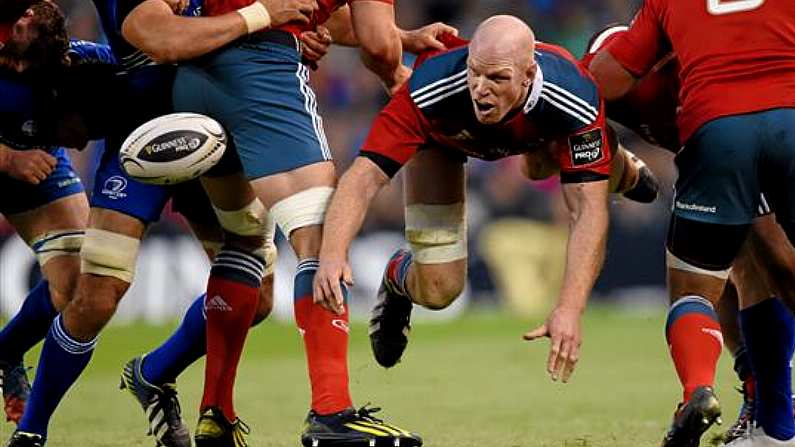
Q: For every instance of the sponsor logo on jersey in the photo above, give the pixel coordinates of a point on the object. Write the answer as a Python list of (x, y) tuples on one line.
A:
[(217, 303), (114, 187), (696, 207), (586, 148)]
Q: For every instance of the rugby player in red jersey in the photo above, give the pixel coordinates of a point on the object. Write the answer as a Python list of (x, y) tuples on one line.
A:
[(766, 260), (498, 96), (736, 124)]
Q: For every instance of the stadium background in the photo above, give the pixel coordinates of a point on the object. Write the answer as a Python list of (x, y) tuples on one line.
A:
[(470, 382), (517, 228)]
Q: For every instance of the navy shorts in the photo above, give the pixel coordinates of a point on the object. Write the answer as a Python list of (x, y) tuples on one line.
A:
[(726, 166), (258, 89), (20, 196)]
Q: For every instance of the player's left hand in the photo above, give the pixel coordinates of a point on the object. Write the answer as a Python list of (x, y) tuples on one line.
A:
[(315, 44), (563, 329), (426, 38)]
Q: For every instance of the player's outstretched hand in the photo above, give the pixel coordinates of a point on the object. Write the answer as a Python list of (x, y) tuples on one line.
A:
[(284, 11), (31, 166), (426, 38), (563, 330), (327, 288), (315, 44)]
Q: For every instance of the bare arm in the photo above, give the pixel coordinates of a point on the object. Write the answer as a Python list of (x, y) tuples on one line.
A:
[(587, 203), (613, 79), (340, 25), (343, 221), (379, 38), (154, 29)]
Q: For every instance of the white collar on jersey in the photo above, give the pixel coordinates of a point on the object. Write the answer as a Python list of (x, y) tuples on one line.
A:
[(535, 90)]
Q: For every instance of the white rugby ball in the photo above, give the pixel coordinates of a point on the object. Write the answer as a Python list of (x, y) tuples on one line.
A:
[(173, 148)]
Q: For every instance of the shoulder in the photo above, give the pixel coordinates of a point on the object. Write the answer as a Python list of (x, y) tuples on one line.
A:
[(439, 77), (565, 89)]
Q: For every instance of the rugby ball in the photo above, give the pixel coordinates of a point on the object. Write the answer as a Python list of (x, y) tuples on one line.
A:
[(173, 148)]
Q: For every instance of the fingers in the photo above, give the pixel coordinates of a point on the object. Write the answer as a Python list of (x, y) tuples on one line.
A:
[(571, 363), (297, 16), (554, 352), (444, 28), (183, 4), (338, 298), (315, 44), (48, 160), (537, 333)]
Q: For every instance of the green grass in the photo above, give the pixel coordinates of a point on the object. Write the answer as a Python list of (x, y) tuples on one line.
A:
[(472, 383)]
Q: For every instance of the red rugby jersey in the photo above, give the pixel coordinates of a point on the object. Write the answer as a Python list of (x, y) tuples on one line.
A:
[(649, 109), (736, 56)]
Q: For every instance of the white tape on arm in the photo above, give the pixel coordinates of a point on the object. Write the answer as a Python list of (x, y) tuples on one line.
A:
[(256, 16)]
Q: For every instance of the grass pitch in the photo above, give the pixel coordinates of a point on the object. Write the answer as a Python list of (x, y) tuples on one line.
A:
[(471, 383)]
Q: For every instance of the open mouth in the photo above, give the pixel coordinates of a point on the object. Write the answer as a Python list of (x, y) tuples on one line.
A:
[(483, 107)]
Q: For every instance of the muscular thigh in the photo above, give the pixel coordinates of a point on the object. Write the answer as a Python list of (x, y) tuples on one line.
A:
[(67, 213), (434, 177)]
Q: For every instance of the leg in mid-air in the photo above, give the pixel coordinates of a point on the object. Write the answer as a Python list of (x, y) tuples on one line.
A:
[(51, 218), (151, 378), (432, 273)]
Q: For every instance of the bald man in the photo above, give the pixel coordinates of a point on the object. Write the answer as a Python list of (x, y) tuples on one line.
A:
[(499, 96)]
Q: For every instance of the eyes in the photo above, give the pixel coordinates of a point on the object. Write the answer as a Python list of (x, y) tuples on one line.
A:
[(499, 77)]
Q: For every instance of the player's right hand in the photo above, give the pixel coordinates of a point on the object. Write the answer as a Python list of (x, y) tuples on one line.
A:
[(327, 290), (284, 11), (31, 166)]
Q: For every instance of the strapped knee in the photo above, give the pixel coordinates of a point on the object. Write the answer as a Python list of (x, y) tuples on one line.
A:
[(437, 233), (251, 220), (53, 244), (301, 210), (106, 253)]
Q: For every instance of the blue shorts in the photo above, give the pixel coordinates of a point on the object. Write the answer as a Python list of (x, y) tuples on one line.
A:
[(729, 162), (258, 89), (19, 196)]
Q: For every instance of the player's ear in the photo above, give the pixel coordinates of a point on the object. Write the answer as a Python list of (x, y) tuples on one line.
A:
[(530, 74)]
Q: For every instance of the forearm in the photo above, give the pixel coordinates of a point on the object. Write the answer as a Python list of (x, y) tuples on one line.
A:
[(379, 40), (340, 26), (168, 38), (348, 208), (585, 252)]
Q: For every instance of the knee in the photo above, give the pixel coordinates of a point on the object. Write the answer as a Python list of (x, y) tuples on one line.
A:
[(265, 301), (94, 305), (438, 291)]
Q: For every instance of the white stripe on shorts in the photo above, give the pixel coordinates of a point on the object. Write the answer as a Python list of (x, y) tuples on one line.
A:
[(310, 105)]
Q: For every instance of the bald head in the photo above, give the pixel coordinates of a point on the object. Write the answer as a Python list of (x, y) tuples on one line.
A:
[(503, 38), (500, 67)]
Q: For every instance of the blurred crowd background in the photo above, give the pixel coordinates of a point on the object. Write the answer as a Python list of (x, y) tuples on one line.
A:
[(517, 228)]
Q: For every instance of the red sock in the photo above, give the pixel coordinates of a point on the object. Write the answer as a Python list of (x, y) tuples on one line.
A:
[(695, 342), (231, 304), (326, 342)]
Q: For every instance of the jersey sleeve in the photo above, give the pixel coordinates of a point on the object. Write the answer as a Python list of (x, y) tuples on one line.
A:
[(585, 154), (397, 133), (644, 43)]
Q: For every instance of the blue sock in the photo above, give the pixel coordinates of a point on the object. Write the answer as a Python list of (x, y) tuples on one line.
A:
[(769, 332), (185, 346), (62, 361), (29, 326)]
